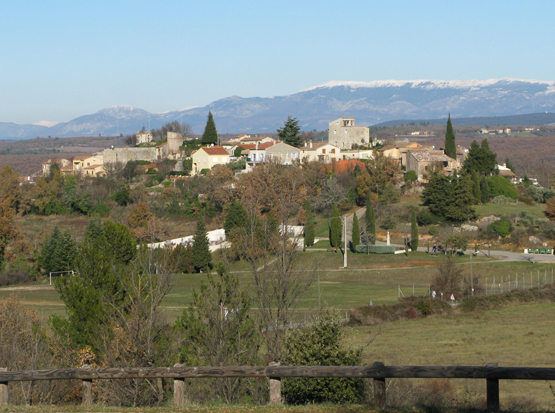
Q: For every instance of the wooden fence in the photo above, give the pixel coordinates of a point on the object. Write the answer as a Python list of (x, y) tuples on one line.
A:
[(491, 372)]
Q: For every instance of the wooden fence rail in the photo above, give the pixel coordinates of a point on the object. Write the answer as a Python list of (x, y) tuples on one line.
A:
[(491, 372)]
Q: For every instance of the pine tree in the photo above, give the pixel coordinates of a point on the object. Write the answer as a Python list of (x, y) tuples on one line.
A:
[(290, 132), (308, 225), (413, 232), (450, 145), (202, 259), (335, 227), (236, 217), (64, 253), (46, 259), (102, 265), (484, 189), (476, 187), (370, 220), (356, 232), (460, 207), (210, 135)]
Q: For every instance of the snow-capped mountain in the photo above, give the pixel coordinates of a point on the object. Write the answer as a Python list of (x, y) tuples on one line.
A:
[(369, 102)]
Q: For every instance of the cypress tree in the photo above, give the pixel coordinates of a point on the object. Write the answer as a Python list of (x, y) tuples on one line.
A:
[(413, 232), (370, 220), (450, 145), (202, 259), (335, 227), (236, 217), (356, 232), (309, 225), (290, 132), (210, 135)]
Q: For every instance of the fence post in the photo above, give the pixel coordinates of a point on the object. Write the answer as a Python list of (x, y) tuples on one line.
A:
[(379, 389), (492, 389), (178, 389), (86, 389), (275, 387), (3, 390)]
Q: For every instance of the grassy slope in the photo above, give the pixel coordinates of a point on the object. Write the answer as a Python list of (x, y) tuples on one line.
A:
[(520, 335)]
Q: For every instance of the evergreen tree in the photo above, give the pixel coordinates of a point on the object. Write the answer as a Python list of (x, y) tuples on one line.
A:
[(335, 227), (370, 220), (236, 217), (46, 259), (102, 265), (480, 158), (509, 165), (450, 145), (459, 208), (64, 253), (290, 132), (476, 187), (202, 259), (490, 158), (93, 231), (413, 232), (437, 194), (218, 330), (484, 189), (308, 225), (210, 135), (356, 232)]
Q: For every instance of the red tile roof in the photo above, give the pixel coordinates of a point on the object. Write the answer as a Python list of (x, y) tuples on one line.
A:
[(215, 150)]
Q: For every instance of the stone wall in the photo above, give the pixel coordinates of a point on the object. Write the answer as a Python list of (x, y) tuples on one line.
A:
[(124, 155)]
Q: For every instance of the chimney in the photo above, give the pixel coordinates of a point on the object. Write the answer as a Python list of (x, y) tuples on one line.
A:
[(256, 145), (310, 144), (305, 144)]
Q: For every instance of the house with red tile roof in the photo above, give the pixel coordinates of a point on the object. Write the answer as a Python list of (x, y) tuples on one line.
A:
[(208, 157)]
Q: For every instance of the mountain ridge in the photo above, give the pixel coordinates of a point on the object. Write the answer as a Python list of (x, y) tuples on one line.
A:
[(370, 103)]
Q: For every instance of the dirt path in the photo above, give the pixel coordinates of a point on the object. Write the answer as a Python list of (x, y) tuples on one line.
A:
[(28, 288)]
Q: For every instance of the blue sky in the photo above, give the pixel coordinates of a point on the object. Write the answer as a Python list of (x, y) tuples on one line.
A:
[(63, 59)]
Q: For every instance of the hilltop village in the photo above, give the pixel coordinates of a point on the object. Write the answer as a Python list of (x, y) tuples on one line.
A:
[(345, 141)]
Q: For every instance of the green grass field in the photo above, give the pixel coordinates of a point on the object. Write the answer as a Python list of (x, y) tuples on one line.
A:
[(521, 335)]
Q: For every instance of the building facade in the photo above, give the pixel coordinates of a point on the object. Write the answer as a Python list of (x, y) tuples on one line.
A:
[(345, 135)]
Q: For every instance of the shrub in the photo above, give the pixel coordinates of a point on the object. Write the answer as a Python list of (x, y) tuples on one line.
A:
[(14, 278), (425, 217), (320, 345), (388, 224), (502, 186), (433, 230), (501, 228), (425, 308)]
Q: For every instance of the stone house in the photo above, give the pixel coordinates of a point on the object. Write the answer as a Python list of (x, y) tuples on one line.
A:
[(424, 161), (143, 137), (208, 157), (344, 134), (61, 162)]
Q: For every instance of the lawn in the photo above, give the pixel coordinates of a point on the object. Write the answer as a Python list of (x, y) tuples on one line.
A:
[(537, 210), (377, 278), (520, 335)]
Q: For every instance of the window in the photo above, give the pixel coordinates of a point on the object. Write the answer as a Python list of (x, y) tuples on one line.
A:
[(88, 164), (204, 160), (323, 151), (215, 159), (334, 132), (332, 151)]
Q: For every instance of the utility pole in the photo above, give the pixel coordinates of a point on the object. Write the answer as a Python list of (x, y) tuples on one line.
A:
[(471, 279)]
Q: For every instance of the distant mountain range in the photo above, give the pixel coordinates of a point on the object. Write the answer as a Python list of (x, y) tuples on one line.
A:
[(369, 102), (515, 120)]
